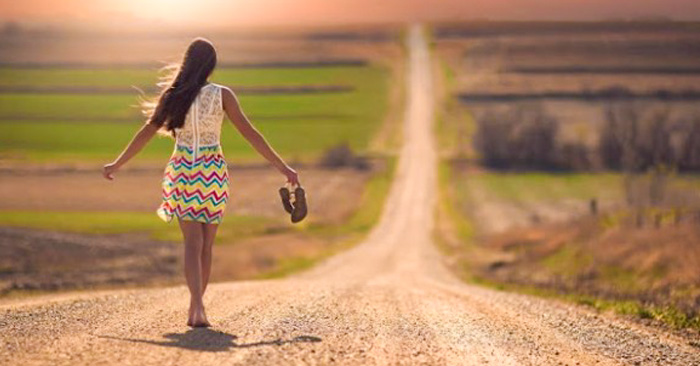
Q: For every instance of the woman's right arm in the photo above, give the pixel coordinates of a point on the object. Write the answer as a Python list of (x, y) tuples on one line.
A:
[(142, 137), (254, 137)]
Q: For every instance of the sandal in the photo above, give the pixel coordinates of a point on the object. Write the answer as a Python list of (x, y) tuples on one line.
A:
[(286, 199), (300, 209)]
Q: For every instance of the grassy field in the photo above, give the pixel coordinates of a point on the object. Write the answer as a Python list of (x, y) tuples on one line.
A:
[(64, 127), (144, 77), (528, 188), (69, 108)]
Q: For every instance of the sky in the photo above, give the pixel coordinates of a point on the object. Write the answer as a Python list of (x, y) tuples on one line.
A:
[(223, 13)]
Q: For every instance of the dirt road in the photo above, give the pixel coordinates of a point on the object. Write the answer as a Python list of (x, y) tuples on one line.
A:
[(387, 301)]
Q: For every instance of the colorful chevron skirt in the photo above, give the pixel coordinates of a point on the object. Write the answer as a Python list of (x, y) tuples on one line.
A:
[(195, 185)]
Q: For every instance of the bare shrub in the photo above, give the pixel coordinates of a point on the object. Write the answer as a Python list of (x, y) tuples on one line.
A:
[(521, 137), (636, 138), (491, 139), (619, 127), (574, 156), (689, 144), (659, 197), (341, 156)]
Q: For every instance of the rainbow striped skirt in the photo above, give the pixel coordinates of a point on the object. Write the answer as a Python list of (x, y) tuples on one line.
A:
[(195, 186)]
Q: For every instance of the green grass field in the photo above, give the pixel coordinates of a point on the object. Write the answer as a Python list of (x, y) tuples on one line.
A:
[(66, 127)]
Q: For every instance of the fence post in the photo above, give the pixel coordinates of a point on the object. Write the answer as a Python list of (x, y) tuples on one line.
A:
[(593, 206)]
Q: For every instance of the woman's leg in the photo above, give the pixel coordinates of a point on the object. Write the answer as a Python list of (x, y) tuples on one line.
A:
[(192, 233), (209, 231)]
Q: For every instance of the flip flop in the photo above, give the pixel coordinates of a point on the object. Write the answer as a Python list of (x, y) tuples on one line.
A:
[(286, 199), (300, 209)]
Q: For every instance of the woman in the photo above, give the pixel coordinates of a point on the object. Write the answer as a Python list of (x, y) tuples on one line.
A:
[(195, 184)]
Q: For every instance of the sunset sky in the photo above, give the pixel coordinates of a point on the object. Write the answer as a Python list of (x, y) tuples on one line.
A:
[(218, 13)]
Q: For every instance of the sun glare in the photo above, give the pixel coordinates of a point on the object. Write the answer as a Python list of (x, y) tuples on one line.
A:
[(165, 10)]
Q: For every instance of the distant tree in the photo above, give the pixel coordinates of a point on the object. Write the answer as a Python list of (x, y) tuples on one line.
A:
[(635, 137), (574, 156), (492, 139), (534, 138), (10, 28), (689, 151), (610, 145), (521, 137)]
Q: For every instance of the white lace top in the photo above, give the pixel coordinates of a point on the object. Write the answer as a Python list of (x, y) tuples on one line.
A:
[(203, 120)]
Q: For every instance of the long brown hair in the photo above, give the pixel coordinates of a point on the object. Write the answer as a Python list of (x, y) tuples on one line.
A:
[(181, 85)]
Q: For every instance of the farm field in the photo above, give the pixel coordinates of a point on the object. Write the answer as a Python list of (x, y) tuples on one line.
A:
[(533, 227), (65, 114), (67, 95), (550, 69), (240, 47), (93, 125), (573, 74), (255, 239)]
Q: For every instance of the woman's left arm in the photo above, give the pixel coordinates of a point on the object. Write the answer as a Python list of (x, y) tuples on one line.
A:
[(254, 137), (142, 137)]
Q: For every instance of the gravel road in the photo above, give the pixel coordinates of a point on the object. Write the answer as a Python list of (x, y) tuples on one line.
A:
[(389, 300)]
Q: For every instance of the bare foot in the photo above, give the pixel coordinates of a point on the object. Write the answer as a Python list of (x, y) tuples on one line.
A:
[(199, 319), (190, 315), (196, 316)]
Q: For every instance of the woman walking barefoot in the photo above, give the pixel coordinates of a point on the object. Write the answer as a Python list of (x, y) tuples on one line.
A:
[(195, 183)]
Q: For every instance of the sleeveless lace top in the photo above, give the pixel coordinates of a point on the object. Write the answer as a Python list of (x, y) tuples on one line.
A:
[(203, 120)]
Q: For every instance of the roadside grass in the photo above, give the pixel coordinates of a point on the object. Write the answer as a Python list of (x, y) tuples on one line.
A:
[(62, 127), (387, 140), (451, 202), (566, 261), (347, 234), (287, 266), (372, 202), (572, 260), (456, 126), (455, 132), (668, 315), (232, 229)]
